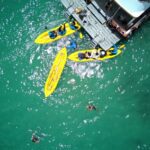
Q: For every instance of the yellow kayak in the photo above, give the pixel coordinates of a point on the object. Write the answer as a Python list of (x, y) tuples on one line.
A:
[(44, 37), (108, 55), (55, 72)]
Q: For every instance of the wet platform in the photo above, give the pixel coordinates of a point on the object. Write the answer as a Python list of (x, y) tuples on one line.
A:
[(95, 22)]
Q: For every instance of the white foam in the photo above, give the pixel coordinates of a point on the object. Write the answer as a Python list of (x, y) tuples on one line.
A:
[(71, 81), (87, 69), (49, 50), (31, 58), (127, 116), (85, 121)]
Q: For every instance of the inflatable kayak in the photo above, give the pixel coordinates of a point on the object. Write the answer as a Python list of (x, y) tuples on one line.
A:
[(93, 54), (45, 38), (55, 72)]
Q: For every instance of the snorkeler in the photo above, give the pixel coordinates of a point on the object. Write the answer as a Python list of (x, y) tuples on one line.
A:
[(91, 107), (71, 44), (35, 138)]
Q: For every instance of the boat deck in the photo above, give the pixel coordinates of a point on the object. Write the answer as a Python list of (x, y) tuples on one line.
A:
[(96, 22)]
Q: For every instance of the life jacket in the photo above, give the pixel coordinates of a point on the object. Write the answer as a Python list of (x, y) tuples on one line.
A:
[(63, 32), (114, 52), (73, 45)]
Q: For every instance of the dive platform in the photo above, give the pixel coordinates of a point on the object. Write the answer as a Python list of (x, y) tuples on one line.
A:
[(94, 21)]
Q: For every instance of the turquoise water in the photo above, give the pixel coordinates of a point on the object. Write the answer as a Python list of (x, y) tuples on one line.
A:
[(118, 88)]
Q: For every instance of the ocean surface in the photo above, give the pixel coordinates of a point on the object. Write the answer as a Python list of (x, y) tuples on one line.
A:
[(119, 88)]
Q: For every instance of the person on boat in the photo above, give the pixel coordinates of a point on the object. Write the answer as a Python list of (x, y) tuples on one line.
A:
[(35, 138), (62, 29), (108, 5), (88, 55), (70, 18), (88, 1), (95, 54), (82, 13), (97, 47), (74, 25), (52, 34), (114, 51), (85, 55), (102, 53), (81, 56), (91, 107), (78, 10)]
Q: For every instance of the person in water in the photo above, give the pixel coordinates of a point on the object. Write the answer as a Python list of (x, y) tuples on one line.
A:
[(52, 34), (71, 44), (74, 25), (62, 29), (35, 138), (91, 107)]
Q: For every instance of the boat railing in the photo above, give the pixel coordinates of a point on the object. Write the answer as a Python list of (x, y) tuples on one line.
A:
[(120, 28)]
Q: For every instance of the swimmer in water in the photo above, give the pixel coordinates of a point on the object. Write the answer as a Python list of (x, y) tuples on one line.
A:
[(35, 138), (91, 107)]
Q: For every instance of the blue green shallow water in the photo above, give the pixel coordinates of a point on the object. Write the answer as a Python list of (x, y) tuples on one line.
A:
[(118, 88)]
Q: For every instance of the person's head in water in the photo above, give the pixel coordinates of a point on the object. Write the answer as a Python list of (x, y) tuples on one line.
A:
[(91, 107), (35, 138)]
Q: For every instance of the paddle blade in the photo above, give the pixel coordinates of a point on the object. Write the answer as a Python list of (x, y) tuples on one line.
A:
[(122, 46), (81, 35)]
